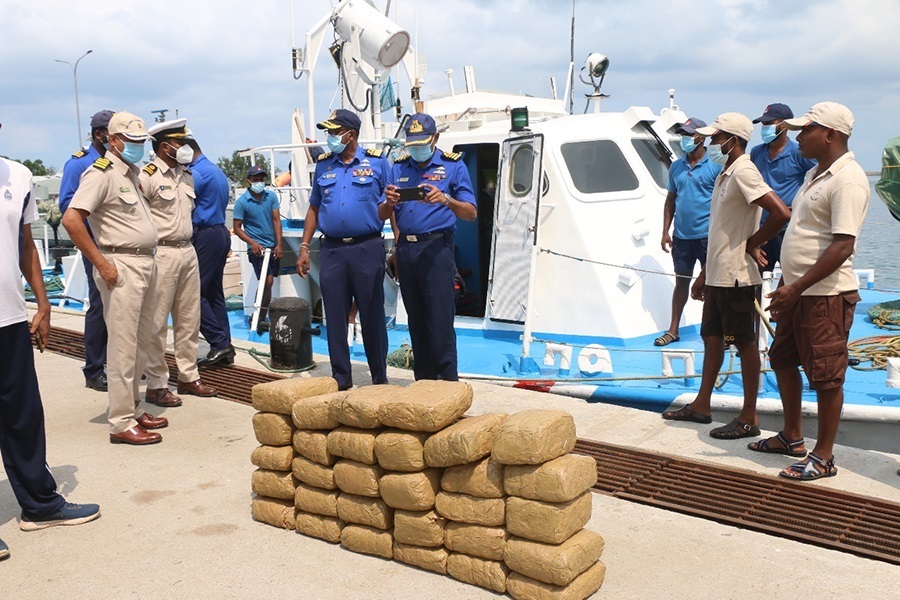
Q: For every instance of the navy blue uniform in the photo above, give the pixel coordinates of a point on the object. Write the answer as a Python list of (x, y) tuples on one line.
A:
[(95, 334), (426, 262), (352, 256)]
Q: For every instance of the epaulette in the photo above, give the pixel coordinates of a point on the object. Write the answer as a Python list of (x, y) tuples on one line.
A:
[(374, 152), (79, 154), (102, 163), (403, 158), (452, 155), (323, 156), (150, 169)]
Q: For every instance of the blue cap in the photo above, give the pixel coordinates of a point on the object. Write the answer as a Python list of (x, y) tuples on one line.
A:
[(774, 112), (690, 126), (101, 119), (341, 118), (420, 128), (256, 170)]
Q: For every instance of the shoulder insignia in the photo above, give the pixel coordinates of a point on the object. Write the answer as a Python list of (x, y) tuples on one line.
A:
[(150, 169), (403, 158), (374, 152), (452, 155), (102, 163), (323, 156), (79, 154)]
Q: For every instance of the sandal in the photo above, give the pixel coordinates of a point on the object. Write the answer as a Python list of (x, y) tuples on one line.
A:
[(814, 467), (734, 430), (666, 339), (787, 447), (687, 413)]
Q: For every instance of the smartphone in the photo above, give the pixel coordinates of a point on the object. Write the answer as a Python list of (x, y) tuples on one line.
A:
[(411, 193)]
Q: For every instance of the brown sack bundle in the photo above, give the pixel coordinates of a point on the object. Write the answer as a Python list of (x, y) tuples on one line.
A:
[(556, 564), (273, 458), (278, 396), (546, 522), (366, 540), (483, 479), (430, 559), (314, 446), (398, 450), (534, 436), (463, 508), (478, 571), (313, 500), (273, 429), (355, 444), (320, 526), (560, 480), (423, 528), (476, 540), (279, 513), (410, 491), (426, 405), (521, 587), (315, 412), (273, 484), (356, 478), (312, 473), (463, 442), (365, 511), (359, 408)]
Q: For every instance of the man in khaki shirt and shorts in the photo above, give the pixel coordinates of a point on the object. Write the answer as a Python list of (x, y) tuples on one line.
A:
[(169, 189), (110, 198), (817, 295), (729, 282)]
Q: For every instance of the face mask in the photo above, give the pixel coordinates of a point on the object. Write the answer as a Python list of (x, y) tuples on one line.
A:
[(105, 143), (769, 133), (184, 155), (258, 187), (688, 144), (133, 152), (335, 143), (421, 153)]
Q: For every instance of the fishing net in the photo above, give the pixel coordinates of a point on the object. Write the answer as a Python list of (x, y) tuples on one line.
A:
[(888, 187), (886, 314), (234, 302), (402, 357)]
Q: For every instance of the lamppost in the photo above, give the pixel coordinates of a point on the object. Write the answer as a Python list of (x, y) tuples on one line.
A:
[(75, 76)]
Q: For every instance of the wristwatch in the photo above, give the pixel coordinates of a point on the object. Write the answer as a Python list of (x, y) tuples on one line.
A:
[(446, 199)]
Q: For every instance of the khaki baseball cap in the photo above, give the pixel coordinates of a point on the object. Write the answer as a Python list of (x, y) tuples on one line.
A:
[(733, 123), (827, 114), (128, 125)]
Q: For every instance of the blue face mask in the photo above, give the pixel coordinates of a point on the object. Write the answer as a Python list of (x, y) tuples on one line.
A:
[(769, 133), (716, 155), (133, 152), (421, 153), (258, 187), (688, 144), (335, 143)]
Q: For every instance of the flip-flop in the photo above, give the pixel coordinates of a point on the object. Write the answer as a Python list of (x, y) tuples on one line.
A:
[(666, 339), (807, 471), (687, 413), (734, 431), (787, 449)]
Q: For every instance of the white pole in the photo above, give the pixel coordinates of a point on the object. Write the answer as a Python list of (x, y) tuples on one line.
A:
[(529, 305), (263, 274)]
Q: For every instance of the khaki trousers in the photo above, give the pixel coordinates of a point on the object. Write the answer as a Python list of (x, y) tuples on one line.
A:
[(177, 293), (128, 310)]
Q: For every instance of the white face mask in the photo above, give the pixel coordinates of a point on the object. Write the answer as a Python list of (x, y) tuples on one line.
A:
[(184, 155)]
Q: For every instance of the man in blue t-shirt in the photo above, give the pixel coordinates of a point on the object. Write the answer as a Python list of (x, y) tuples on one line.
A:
[(691, 181), (257, 221)]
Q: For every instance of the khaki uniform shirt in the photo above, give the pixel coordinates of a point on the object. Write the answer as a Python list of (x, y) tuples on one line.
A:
[(733, 218), (170, 192), (117, 211), (829, 203)]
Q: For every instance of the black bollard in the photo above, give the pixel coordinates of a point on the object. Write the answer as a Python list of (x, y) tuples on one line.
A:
[(290, 331)]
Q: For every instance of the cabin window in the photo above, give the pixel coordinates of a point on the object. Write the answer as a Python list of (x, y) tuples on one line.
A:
[(652, 156), (598, 166), (522, 171)]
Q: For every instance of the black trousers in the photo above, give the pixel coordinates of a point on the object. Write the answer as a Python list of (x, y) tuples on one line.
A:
[(95, 334), (213, 245)]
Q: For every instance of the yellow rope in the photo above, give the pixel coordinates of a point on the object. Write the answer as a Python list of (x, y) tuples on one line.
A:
[(875, 350)]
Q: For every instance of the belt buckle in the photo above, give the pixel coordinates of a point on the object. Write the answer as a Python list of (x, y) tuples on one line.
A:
[(412, 238), (347, 240)]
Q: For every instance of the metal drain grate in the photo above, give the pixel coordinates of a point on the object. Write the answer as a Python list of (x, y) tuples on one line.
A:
[(832, 519)]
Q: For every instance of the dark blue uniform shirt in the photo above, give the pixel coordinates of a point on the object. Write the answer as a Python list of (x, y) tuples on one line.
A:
[(348, 196), (72, 171), (212, 190)]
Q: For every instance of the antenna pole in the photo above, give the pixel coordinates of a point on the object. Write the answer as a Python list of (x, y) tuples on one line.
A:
[(572, 62)]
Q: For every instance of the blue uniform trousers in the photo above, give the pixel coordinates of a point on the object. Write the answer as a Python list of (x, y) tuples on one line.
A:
[(213, 245), (426, 270), (22, 441), (348, 272), (95, 334)]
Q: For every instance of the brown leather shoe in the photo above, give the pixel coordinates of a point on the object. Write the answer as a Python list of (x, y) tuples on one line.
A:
[(148, 421), (162, 397), (136, 436), (196, 388)]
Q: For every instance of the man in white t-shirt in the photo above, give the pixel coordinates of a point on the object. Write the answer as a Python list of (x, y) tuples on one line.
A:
[(729, 282), (22, 441)]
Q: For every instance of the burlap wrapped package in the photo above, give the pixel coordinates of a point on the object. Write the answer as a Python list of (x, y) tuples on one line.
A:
[(483, 479), (430, 559), (355, 444), (312, 473), (273, 458), (521, 587), (320, 526), (315, 412), (314, 446), (410, 491), (557, 564), (463, 442), (367, 540), (278, 396), (469, 509), (426, 405), (272, 429), (560, 480), (273, 484), (356, 478), (476, 540), (365, 511), (421, 528), (534, 436), (359, 408), (314, 500), (488, 574), (398, 450), (546, 522), (279, 513)]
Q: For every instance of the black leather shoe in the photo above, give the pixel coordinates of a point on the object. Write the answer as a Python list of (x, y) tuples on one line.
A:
[(223, 356), (97, 382)]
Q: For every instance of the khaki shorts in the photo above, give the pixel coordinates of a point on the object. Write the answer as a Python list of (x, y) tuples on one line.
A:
[(728, 313), (814, 335)]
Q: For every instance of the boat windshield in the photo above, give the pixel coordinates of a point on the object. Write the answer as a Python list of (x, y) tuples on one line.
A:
[(598, 166), (652, 156)]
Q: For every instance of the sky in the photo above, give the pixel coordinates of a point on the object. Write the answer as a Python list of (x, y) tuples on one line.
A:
[(225, 64)]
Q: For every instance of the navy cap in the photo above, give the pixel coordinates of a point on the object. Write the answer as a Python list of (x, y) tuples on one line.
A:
[(690, 126), (101, 119), (341, 118), (255, 170), (775, 111), (420, 128)]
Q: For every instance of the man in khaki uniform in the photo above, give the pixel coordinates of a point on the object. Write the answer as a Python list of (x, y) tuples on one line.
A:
[(169, 189), (110, 198)]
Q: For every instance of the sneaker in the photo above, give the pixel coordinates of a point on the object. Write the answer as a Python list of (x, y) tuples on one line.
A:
[(69, 514), (4, 550)]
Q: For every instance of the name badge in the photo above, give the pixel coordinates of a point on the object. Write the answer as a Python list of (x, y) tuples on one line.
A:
[(124, 188), (403, 180)]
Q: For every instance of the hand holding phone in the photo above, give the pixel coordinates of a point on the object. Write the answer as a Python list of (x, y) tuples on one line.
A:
[(411, 193)]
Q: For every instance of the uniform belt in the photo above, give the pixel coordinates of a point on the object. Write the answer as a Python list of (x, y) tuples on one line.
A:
[(423, 237), (174, 243), (202, 227), (353, 240), (132, 251)]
